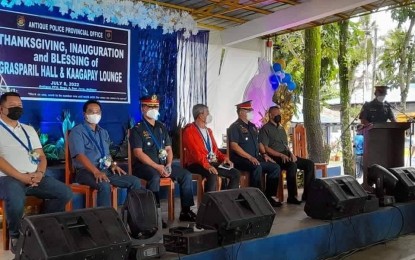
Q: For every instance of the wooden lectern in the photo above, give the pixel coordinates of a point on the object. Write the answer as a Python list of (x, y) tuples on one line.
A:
[(384, 144)]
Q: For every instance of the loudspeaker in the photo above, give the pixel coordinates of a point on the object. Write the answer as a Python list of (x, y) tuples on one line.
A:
[(238, 214), (405, 188), (96, 233), (335, 197)]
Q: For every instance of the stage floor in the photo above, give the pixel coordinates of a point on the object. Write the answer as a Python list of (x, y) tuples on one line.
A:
[(290, 221)]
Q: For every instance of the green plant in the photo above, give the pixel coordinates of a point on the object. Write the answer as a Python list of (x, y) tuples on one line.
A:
[(56, 150), (326, 153)]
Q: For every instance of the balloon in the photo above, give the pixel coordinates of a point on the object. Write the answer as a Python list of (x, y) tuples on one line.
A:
[(282, 62), (287, 78), (273, 79), (291, 85), (275, 86), (277, 67), (280, 74)]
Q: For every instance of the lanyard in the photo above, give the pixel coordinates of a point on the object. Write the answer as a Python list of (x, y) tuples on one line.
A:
[(92, 139), (17, 138), (152, 136), (207, 140)]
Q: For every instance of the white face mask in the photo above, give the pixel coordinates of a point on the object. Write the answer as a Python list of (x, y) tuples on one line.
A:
[(249, 116), (209, 119), (93, 119), (153, 113), (380, 98)]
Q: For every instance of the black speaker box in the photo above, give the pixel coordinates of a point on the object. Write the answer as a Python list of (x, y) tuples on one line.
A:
[(405, 188), (335, 197), (96, 233), (238, 214)]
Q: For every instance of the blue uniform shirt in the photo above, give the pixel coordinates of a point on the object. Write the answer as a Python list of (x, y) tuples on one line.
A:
[(81, 143), (141, 136), (246, 136)]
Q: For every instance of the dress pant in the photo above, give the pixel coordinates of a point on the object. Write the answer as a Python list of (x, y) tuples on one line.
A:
[(272, 171), (83, 176), (232, 175), (291, 168), (179, 174)]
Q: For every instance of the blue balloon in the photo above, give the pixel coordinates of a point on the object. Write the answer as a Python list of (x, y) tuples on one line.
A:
[(291, 85), (287, 78), (275, 86), (277, 67), (273, 79)]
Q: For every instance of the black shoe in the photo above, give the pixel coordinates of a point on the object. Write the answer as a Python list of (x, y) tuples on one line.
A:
[(293, 200), (13, 245), (189, 216), (274, 203), (163, 224)]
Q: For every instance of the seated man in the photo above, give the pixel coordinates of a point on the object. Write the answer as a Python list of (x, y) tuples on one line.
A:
[(23, 166), (245, 153), (151, 145), (274, 138), (204, 156), (89, 146)]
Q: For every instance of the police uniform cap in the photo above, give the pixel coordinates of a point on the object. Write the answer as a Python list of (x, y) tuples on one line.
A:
[(150, 100), (245, 105), (382, 88)]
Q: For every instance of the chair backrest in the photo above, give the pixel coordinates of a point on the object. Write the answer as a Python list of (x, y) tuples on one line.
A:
[(300, 141), (69, 169), (131, 157), (183, 150)]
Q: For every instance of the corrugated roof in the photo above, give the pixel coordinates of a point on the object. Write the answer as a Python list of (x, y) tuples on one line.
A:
[(222, 14)]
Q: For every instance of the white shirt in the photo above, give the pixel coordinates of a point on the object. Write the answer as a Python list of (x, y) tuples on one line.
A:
[(205, 134), (13, 152)]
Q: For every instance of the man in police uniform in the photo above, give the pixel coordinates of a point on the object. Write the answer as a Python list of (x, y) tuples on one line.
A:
[(274, 138), (151, 145), (245, 152), (377, 110)]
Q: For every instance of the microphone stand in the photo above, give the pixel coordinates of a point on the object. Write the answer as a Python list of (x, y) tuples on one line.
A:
[(411, 129)]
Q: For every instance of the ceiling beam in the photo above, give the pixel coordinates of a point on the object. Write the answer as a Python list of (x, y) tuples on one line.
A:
[(228, 6), (173, 6), (306, 12)]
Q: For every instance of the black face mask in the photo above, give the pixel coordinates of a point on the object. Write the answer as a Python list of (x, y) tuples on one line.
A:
[(15, 113), (277, 119)]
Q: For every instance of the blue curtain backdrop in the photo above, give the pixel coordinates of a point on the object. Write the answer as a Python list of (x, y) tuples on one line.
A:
[(157, 61), (191, 73)]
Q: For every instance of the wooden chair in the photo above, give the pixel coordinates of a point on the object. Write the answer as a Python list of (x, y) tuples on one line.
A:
[(195, 177), (300, 147), (164, 182), (89, 193), (30, 201), (299, 141)]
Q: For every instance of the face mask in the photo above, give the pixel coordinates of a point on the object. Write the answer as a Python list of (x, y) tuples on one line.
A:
[(277, 119), (380, 98), (209, 119), (249, 116), (15, 113), (153, 113), (93, 119)]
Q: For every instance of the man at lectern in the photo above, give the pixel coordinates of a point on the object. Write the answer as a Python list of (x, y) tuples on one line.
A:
[(377, 110)]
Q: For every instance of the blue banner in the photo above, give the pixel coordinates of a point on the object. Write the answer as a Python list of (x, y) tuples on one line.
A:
[(57, 60)]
